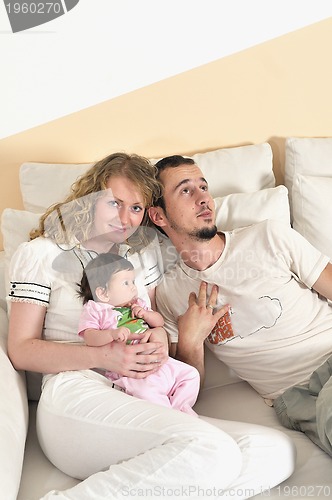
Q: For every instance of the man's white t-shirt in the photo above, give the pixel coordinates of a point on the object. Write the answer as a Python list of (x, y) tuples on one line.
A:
[(279, 330)]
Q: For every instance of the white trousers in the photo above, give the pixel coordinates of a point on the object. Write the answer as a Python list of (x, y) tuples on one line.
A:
[(124, 447)]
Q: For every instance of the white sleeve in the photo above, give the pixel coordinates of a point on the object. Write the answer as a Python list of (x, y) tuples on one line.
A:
[(28, 280), (304, 260)]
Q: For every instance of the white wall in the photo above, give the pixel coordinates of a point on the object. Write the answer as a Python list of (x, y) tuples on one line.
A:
[(105, 48)]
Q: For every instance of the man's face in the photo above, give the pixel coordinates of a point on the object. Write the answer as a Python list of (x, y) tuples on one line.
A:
[(189, 205)]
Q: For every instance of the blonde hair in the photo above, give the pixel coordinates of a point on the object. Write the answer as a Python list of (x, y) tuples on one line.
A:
[(74, 217)]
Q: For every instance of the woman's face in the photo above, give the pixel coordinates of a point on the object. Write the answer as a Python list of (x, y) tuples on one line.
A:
[(119, 211)]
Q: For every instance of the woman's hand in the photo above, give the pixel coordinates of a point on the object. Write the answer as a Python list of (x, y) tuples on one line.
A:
[(158, 334), (135, 360), (153, 335), (28, 351)]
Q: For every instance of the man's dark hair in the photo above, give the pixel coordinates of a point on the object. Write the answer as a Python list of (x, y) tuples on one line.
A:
[(169, 162)]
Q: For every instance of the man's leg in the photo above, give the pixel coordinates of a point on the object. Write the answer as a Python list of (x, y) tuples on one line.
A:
[(308, 408)]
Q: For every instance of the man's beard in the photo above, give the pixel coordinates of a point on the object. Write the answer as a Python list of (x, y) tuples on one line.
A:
[(205, 234)]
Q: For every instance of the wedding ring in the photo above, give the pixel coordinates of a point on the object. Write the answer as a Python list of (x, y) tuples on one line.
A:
[(211, 307)]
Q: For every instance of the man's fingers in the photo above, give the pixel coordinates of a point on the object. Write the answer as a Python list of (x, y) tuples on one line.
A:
[(221, 312), (192, 298), (213, 296), (202, 294), (202, 299)]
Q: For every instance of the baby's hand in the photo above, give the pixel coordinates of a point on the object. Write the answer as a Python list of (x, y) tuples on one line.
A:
[(121, 334), (137, 311)]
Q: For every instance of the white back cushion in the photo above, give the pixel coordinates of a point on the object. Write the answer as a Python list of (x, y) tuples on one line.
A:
[(228, 170), (243, 209), (13, 419), (43, 184), (243, 169), (308, 176), (307, 156)]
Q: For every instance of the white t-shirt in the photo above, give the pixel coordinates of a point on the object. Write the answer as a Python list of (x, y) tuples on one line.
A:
[(44, 273), (279, 330)]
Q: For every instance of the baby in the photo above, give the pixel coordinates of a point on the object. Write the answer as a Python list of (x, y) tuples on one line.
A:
[(111, 312)]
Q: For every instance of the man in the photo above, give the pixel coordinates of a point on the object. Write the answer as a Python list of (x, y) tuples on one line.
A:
[(256, 295)]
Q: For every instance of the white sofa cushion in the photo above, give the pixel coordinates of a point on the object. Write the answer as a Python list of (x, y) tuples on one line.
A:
[(13, 419), (242, 209), (43, 184), (228, 170), (312, 197), (15, 226), (242, 169), (307, 156), (308, 176)]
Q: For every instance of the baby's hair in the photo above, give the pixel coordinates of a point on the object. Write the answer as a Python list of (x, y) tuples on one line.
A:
[(98, 272)]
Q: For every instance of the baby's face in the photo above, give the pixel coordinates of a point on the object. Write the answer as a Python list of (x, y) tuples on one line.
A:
[(121, 288)]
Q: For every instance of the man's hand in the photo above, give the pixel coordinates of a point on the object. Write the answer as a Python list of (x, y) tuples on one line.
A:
[(201, 315), (196, 324)]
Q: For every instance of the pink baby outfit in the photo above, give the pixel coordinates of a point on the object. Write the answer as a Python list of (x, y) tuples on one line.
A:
[(175, 384)]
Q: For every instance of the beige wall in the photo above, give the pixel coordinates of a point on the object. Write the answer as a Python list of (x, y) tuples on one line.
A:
[(277, 89)]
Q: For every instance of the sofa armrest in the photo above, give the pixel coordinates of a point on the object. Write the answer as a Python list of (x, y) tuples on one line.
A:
[(13, 418)]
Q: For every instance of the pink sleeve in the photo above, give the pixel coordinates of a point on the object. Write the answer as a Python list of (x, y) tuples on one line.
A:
[(97, 316)]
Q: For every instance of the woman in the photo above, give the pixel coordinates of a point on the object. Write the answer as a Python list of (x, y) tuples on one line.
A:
[(118, 445)]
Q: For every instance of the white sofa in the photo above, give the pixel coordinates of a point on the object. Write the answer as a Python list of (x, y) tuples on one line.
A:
[(244, 178)]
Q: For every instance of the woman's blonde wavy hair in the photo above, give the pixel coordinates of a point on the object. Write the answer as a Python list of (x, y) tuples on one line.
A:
[(74, 217)]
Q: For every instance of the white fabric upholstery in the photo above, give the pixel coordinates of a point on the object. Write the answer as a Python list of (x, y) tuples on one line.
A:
[(307, 156), (312, 197), (15, 227), (13, 419), (308, 176), (43, 184), (242, 169), (228, 170), (243, 209)]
